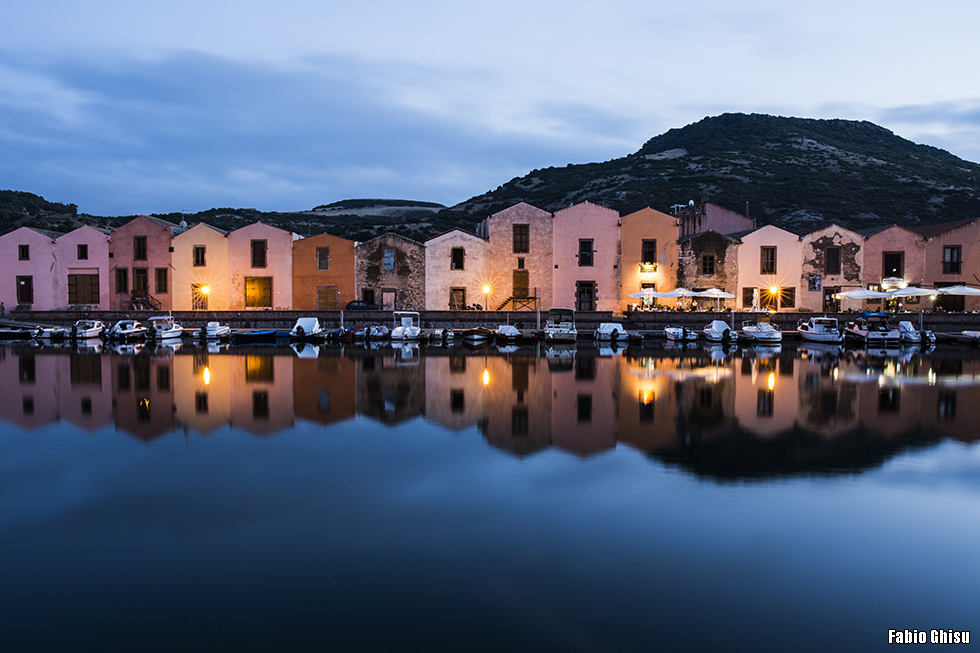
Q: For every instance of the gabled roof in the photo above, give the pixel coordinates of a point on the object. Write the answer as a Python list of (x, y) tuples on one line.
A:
[(223, 232), (462, 231), (871, 231), (47, 233), (732, 237), (389, 234), (932, 230)]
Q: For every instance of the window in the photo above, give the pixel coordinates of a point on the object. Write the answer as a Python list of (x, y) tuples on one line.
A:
[(586, 254), (260, 369), (456, 258), (520, 263), (648, 255), (787, 297), (322, 258), (585, 295), (122, 280), (519, 420), (389, 259), (24, 252), (258, 292), (952, 259), (457, 401), (367, 296), (832, 260), (748, 297), (768, 257), (521, 239), (201, 403), (893, 264), (83, 252), (260, 404), (161, 280), (200, 256), (708, 265), (139, 248), (584, 408), (259, 253)]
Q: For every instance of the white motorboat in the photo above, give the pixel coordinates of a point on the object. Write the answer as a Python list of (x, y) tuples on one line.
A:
[(126, 331), (507, 334), (611, 332), (442, 335), (307, 329), (54, 334), (872, 329), (909, 335), (680, 333), (406, 326), (373, 332), (84, 329), (762, 332), (820, 329), (216, 331), (560, 326), (162, 327), (719, 331)]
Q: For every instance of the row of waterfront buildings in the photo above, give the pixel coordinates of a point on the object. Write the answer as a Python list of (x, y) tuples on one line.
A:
[(586, 256)]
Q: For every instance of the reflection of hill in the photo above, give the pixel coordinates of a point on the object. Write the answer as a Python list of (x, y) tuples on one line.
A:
[(741, 456)]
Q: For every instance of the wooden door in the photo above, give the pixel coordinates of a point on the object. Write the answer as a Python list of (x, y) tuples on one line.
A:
[(521, 284)]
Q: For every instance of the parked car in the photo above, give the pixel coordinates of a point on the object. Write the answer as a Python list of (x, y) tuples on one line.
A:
[(358, 305)]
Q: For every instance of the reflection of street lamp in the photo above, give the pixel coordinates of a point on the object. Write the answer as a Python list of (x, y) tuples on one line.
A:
[(772, 380), (207, 376), (486, 377)]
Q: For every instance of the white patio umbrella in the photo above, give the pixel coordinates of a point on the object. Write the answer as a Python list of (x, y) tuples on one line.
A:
[(913, 291), (716, 293), (959, 290), (862, 293), (647, 293), (680, 292)]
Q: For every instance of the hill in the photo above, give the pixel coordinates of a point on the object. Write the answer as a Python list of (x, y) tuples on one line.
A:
[(796, 173)]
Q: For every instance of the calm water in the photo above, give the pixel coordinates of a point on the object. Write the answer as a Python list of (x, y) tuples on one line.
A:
[(456, 500)]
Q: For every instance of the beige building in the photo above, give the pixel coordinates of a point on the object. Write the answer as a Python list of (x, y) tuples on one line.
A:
[(457, 271), (521, 257), (260, 264), (769, 264), (201, 275), (649, 254)]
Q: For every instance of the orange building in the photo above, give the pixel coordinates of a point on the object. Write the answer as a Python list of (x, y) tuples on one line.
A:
[(323, 273)]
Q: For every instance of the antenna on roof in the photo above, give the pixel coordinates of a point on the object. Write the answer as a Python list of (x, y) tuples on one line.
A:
[(690, 202)]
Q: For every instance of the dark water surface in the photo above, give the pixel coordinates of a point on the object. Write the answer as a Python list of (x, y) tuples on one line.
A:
[(455, 500)]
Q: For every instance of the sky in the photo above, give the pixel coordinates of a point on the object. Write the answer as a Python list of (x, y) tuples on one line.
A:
[(128, 107)]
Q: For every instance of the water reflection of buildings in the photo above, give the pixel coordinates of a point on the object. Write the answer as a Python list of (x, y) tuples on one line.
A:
[(718, 412)]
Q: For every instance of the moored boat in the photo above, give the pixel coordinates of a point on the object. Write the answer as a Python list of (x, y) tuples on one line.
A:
[(872, 329), (507, 334), (216, 331), (8, 332), (162, 327), (680, 333), (820, 329), (307, 329), (84, 329), (127, 331), (407, 326), (909, 335), (560, 326), (253, 336), (719, 331), (54, 334), (611, 332), (762, 332), (477, 335)]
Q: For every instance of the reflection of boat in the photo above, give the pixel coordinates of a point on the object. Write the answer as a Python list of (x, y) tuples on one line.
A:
[(818, 351), (719, 331), (871, 329), (305, 349), (126, 331), (560, 357), (127, 348), (611, 332), (406, 326), (507, 334), (762, 332), (820, 329), (680, 333), (560, 326), (83, 329), (164, 326), (307, 329), (720, 352), (908, 335)]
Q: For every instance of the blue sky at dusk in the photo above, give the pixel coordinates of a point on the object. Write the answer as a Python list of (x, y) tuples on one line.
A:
[(126, 108)]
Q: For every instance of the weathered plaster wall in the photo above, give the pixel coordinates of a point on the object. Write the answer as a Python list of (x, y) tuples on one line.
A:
[(690, 273), (279, 263), (815, 246), (406, 278)]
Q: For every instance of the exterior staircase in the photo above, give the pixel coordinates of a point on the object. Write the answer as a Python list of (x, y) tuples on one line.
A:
[(143, 301), (519, 304)]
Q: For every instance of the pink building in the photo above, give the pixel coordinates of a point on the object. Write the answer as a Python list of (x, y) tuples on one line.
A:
[(82, 260), (894, 257), (953, 258), (260, 267), (26, 278), (139, 263), (697, 218), (586, 258)]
